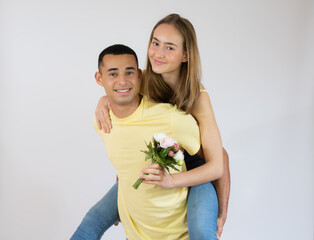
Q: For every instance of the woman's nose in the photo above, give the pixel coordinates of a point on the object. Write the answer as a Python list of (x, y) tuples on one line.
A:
[(160, 52)]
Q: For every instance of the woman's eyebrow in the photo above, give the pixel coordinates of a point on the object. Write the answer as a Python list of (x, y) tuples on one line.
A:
[(168, 43)]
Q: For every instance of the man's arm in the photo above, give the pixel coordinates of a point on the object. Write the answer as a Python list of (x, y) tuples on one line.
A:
[(222, 186)]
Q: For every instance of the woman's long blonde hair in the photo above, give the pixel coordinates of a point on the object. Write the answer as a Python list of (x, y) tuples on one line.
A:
[(188, 90)]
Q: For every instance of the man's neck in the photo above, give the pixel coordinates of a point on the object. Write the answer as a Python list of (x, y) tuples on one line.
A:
[(123, 111)]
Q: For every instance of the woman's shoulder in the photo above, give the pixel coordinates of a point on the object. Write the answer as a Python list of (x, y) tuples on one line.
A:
[(202, 88), (202, 106)]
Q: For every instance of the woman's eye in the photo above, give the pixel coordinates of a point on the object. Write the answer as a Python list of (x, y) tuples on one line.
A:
[(155, 43), (170, 48)]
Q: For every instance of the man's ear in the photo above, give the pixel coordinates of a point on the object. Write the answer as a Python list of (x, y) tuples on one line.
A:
[(140, 73), (98, 79)]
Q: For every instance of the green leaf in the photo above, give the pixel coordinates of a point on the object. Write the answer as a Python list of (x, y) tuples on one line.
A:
[(155, 144), (173, 167)]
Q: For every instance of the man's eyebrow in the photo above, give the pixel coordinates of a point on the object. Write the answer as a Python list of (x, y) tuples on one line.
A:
[(112, 69), (129, 68), (168, 43), (116, 69)]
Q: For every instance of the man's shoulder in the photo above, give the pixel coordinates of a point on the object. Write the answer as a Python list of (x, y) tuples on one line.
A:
[(150, 105), (166, 110)]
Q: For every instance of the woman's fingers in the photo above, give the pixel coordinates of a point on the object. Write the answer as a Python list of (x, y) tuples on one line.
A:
[(157, 175), (154, 166), (101, 121), (98, 116), (152, 171), (98, 124), (155, 169), (151, 177), (153, 174), (102, 115), (157, 183), (105, 120), (108, 121)]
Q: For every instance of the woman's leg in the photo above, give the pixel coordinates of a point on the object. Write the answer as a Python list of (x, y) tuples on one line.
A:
[(202, 212), (99, 218)]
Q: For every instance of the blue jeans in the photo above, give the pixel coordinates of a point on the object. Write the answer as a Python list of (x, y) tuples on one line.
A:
[(202, 211), (99, 218)]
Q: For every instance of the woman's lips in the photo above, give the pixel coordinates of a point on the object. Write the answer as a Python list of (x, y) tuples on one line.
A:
[(157, 62)]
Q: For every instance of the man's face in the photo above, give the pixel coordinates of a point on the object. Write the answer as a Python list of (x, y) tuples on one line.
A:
[(120, 77)]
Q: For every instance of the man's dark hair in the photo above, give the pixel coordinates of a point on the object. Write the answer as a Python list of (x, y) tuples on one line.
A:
[(117, 49)]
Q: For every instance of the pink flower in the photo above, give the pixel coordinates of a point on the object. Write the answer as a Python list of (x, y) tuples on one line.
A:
[(176, 146), (167, 142), (171, 153)]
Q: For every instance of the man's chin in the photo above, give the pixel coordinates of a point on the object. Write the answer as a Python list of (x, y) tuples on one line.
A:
[(125, 101)]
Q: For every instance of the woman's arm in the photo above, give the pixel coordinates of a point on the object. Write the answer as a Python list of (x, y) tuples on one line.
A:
[(212, 149), (102, 114)]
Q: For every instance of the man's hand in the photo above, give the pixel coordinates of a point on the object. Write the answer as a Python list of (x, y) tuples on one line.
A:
[(102, 114), (157, 175)]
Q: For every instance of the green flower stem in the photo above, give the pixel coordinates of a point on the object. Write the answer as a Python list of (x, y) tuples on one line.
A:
[(138, 182)]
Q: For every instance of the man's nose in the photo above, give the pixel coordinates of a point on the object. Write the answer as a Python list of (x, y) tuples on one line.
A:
[(122, 79)]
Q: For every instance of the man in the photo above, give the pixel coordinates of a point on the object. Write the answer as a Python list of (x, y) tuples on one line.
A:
[(150, 212)]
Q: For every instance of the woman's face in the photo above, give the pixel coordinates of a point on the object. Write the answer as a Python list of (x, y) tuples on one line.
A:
[(166, 51)]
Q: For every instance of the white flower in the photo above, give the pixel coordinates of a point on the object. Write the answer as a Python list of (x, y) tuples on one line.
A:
[(159, 136), (179, 156)]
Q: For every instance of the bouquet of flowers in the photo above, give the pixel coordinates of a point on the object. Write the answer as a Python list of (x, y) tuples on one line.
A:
[(165, 151)]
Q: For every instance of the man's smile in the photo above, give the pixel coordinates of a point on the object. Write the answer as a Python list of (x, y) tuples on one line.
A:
[(123, 91)]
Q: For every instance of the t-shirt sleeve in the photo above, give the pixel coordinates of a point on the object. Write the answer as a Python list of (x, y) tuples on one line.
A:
[(186, 131)]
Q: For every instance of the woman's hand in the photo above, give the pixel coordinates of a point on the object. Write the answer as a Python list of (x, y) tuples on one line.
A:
[(157, 175), (220, 224), (102, 114)]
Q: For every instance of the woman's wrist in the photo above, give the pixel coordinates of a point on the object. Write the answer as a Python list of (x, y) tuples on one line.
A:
[(175, 180)]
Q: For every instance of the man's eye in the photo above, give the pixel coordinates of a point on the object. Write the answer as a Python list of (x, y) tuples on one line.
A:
[(155, 43), (129, 73), (112, 74)]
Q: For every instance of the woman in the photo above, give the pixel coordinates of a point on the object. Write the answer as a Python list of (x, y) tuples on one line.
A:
[(173, 75)]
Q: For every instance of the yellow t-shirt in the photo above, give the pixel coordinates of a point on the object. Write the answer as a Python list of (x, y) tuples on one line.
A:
[(150, 212)]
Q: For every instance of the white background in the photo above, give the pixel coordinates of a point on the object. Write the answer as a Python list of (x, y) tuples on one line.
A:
[(257, 59)]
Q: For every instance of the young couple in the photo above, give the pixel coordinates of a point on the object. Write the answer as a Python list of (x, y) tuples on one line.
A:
[(162, 99)]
